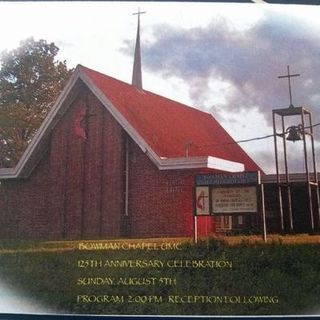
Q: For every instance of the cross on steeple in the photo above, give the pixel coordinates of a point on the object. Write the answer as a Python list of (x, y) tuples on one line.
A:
[(289, 83), (137, 73), (138, 13)]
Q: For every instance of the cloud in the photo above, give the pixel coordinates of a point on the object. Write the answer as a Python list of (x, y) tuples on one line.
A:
[(233, 73), (249, 61), (65, 44)]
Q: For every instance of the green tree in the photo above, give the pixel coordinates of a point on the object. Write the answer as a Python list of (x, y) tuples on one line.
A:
[(30, 81)]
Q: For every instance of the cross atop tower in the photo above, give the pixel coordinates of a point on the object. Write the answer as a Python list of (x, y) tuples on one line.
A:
[(289, 83), (137, 73)]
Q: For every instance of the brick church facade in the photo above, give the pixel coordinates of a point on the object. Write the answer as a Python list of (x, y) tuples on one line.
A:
[(112, 160)]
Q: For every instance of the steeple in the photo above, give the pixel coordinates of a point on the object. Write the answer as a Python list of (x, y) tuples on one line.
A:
[(137, 74)]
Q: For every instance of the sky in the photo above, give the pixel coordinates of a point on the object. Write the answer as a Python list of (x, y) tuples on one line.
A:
[(222, 58)]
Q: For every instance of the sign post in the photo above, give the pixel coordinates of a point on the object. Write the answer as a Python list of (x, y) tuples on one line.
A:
[(195, 228), (263, 213)]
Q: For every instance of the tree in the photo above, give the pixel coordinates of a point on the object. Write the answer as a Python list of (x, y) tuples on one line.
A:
[(30, 82)]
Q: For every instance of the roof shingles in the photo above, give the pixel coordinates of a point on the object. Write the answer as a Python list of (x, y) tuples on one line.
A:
[(168, 126)]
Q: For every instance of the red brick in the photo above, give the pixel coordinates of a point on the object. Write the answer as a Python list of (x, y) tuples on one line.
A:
[(78, 188)]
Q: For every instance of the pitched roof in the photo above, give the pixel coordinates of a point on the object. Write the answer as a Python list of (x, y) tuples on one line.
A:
[(168, 126), (173, 135)]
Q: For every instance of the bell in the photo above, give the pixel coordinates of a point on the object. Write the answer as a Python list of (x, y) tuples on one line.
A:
[(294, 133)]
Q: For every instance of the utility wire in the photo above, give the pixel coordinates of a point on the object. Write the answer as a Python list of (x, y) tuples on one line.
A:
[(247, 140)]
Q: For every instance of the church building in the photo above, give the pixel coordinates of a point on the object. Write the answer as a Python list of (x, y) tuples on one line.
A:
[(113, 160)]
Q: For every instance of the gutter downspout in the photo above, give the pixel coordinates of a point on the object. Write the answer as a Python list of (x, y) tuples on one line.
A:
[(126, 210)]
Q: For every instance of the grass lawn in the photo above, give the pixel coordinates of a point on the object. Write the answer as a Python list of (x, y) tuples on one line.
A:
[(225, 276)]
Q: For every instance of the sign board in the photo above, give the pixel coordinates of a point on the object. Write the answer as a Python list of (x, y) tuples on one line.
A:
[(227, 193), (202, 203), (225, 179), (234, 200)]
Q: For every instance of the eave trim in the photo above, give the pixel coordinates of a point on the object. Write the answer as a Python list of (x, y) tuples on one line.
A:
[(160, 162)]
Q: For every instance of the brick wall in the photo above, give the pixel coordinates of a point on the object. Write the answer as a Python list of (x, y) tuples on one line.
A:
[(160, 202), (77, 189), (25, 208)]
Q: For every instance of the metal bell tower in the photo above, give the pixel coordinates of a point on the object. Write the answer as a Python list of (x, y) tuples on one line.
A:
[(303, 131)]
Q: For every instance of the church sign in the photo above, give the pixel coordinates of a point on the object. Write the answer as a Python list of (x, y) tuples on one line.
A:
[(234, 200), (223, 179), (202, 201), (221, 193)]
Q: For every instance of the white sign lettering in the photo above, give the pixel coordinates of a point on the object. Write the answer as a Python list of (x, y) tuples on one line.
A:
[(234, 200)]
